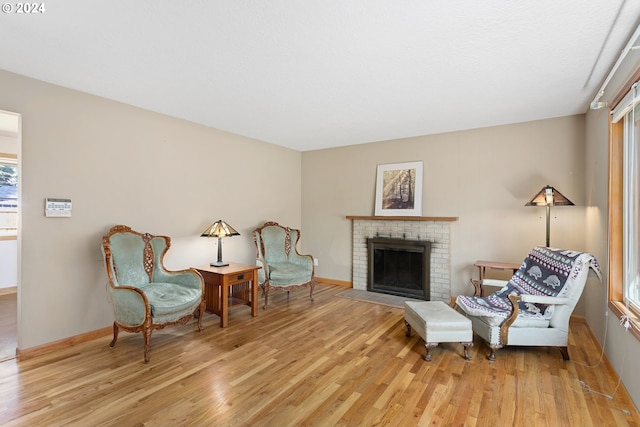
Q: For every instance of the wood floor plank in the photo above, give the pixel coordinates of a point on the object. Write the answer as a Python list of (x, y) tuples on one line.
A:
[(8, 324), (332, 361)]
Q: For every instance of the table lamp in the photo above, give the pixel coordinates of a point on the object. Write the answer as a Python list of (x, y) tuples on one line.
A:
[(219, 229)]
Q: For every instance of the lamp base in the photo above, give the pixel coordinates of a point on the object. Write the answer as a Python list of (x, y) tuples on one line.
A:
[(219, 264)]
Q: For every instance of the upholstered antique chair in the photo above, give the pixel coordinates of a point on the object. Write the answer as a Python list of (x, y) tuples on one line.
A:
[(144, 294), (283, 268), (534, 306)]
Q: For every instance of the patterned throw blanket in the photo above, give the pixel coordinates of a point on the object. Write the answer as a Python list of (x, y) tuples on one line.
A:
[(544, 272)]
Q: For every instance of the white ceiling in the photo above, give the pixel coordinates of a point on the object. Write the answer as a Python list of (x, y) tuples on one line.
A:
[(325, 73)]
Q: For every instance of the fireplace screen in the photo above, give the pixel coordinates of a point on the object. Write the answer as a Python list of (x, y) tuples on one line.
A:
[(399, 267)]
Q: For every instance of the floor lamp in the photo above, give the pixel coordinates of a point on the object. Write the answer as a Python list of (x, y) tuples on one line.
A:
[(548, 197)]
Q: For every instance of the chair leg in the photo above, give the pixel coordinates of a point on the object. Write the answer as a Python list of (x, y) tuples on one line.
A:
[(146, 333), (311, 291), (466, 346), (266, 295), (492, 354), (115, 335), (565, 352), (200, 315), (408, 333)]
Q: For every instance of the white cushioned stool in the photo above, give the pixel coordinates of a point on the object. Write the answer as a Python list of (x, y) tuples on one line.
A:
[(437, 322)]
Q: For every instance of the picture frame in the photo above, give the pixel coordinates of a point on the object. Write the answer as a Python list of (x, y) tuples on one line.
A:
[(399, 189)]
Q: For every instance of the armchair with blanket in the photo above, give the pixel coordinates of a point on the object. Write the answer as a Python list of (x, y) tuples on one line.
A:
[(534, 306)]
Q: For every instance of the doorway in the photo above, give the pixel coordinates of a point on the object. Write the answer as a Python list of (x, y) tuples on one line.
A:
[(10, 149)]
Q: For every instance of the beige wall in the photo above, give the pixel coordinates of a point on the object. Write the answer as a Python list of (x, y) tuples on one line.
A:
[(483, 176), (595, 294), (124, 165)]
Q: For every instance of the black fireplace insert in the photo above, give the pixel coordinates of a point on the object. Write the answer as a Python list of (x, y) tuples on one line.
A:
[(399, 267)]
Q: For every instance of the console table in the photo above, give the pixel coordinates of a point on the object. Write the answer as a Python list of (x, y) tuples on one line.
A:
[(230, 286)]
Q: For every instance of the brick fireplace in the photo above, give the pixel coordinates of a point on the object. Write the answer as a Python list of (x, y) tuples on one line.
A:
[(433, 229)]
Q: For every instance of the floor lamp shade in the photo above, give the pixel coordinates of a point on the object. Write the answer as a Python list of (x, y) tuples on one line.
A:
[(219, 229), (549, 197)]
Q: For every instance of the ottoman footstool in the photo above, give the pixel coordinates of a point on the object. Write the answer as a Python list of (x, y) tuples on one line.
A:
[(437, 322)]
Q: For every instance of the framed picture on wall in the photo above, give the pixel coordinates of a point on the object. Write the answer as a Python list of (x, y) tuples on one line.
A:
[(399, 189)]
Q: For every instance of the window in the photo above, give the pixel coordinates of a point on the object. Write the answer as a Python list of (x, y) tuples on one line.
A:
[(624, 209), (8, 195), (631, 196)]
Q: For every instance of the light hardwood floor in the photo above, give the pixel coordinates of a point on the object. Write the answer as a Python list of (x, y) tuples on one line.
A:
[(334, 361), (8, 329)]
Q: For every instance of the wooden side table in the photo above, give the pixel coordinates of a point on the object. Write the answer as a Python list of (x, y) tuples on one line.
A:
[(228, 287), (495, 265)]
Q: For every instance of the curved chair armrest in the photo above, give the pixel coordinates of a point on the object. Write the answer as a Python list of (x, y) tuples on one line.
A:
[(478, 290), (514, 299), (130, 305), (504, 327), (189, 278), (453, 302), (543, 299), (302, 260), (263, 273)]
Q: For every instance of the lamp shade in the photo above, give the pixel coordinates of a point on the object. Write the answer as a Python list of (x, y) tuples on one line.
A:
[(219, 229), (549, 196)]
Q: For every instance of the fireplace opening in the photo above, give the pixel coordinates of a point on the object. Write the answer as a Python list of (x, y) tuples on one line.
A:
[(399, 267)]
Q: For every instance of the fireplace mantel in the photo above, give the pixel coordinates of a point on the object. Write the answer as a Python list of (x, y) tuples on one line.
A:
[(404, 218)]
